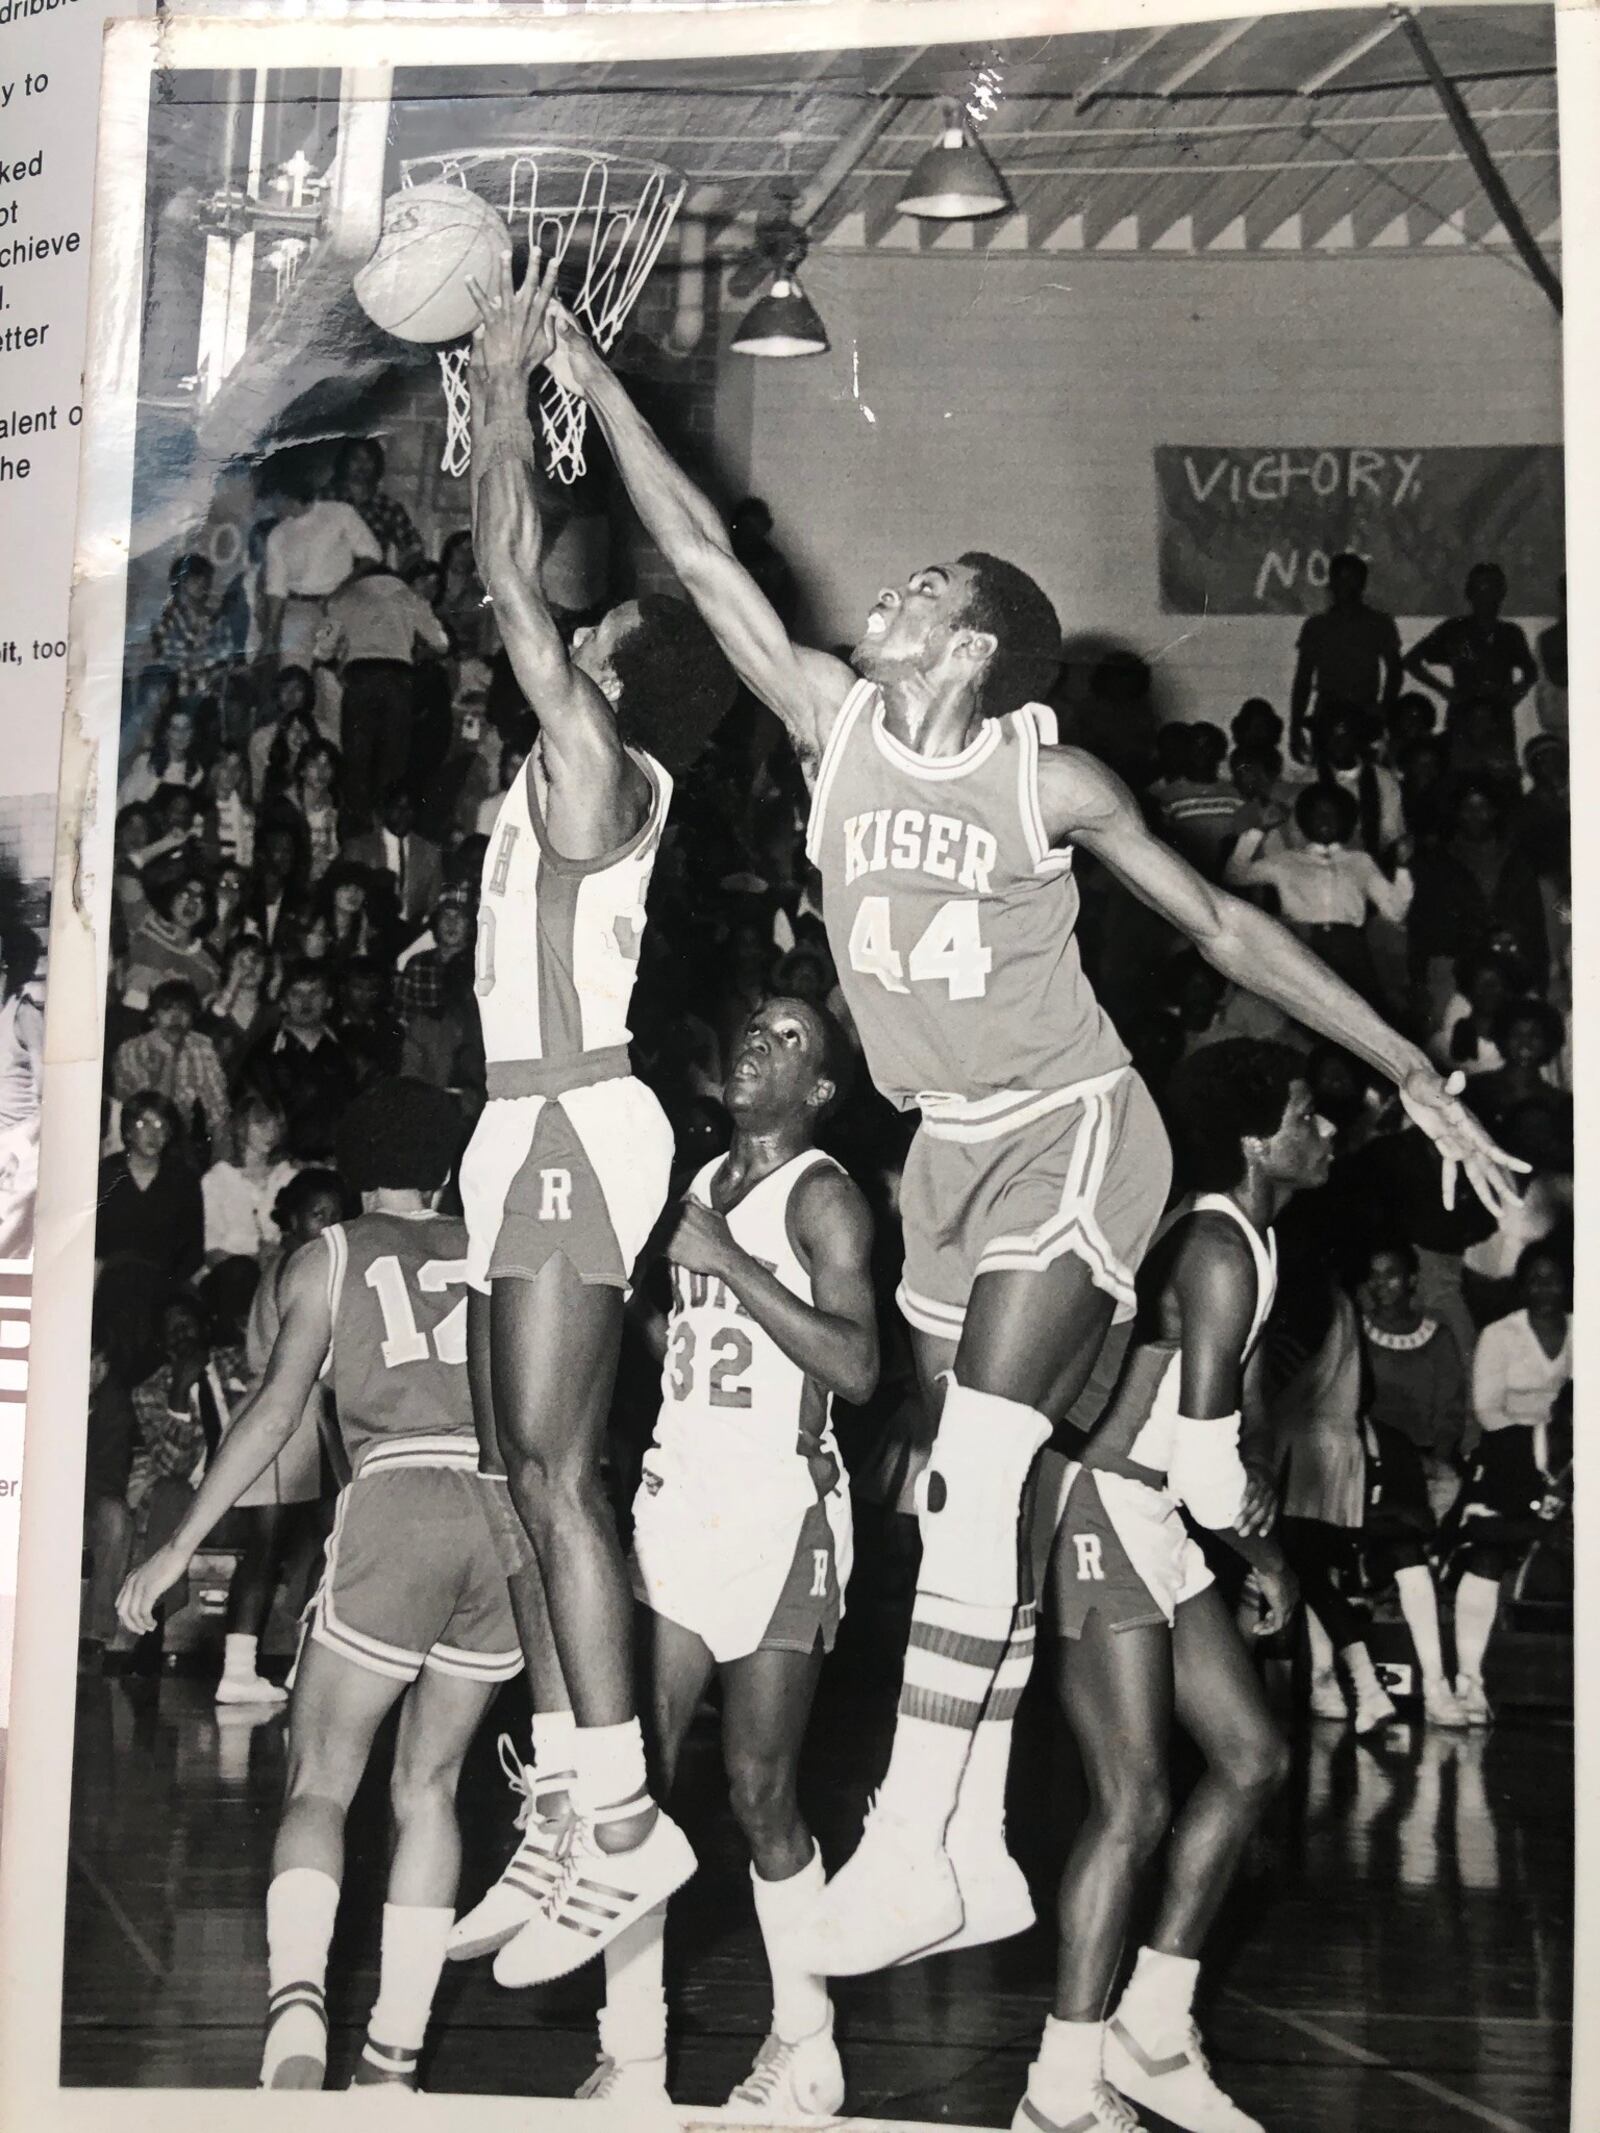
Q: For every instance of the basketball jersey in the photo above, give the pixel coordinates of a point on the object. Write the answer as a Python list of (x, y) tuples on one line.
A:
[(733, 1405), (558, 939), (950, 917), (398, 1358), (21, 1056), (1150, 1397)]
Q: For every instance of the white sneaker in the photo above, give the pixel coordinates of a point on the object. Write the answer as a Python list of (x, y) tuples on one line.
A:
[(619, 2081), (249, 1688), (896, 1896), (995, 1902), (529, 1880), (1374, 1708), (1102, 2111), (1327, 1698), (1178, 2084), (1442, 1706), (793, 2084), (598, 1895), (1469, 1691)]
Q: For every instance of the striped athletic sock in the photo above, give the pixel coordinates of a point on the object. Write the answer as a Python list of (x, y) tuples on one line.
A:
[(414, 1937), (982, 1805), (301, 1904), (954, 1653)]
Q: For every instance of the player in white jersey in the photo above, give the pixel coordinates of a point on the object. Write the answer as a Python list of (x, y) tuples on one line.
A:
[(1010, 1300), (568, 1166), (742, 1541), (1142, 1635)]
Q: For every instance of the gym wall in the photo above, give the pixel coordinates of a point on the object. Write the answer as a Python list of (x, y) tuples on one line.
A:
[(1013, 402)]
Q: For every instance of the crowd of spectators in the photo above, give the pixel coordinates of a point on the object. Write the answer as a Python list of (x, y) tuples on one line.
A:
[(319, 753)]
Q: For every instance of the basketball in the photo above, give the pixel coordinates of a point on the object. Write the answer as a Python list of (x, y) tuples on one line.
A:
[(434, 241)]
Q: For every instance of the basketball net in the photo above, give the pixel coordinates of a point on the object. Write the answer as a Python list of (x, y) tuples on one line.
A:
[(603, 218)]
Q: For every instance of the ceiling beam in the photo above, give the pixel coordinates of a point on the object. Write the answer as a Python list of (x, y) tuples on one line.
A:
[(1477, 154), (1224, 41), (1369, 41), (845, 156), (1114, 69)]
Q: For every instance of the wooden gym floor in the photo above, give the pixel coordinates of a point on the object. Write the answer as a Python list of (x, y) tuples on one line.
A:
[(1397, 1958)]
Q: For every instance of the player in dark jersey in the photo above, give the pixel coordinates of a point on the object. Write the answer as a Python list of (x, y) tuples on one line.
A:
[(1141, 1633), (413, 1601), (569, 1163), (1031, 1190)]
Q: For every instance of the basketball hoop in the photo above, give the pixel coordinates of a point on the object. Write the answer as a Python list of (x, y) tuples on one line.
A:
[(604, 218)]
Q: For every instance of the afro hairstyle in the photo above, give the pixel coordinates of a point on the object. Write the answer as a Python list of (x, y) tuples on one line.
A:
[(1223, 1095), (1006, 602), (675, 685)]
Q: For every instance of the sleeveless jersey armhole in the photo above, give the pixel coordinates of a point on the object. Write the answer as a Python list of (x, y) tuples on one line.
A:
[(338, 1263), (828, 764), (1035, 727), (818, 1157)]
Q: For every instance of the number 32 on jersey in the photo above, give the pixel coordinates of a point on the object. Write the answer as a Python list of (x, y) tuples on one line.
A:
[(949, 951)]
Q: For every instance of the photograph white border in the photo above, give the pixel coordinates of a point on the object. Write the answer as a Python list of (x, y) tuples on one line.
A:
[(37, 1798)]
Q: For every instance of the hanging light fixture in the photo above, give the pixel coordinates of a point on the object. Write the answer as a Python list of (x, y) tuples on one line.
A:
[(784, 323), (955, 181)]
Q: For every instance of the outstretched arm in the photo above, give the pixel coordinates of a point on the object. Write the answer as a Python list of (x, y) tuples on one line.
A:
[(264, 1425), (805, 688), (590, 773), (1080, 798), (834, 1338)]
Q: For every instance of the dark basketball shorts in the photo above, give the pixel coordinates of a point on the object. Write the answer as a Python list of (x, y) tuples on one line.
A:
[(1122, 1552), (1086, 1170), (582, 1175), (743, 1578), (414, 1575)]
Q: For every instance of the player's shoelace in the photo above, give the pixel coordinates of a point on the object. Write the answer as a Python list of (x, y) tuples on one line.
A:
[(1112, 2110), (517, 1778), (601, 2082), (768, 2075)]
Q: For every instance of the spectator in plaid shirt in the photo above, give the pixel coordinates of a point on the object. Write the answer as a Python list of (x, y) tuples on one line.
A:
[(358, 481), (172, 1442), (435, 979), (174, 1059), (189, 637)]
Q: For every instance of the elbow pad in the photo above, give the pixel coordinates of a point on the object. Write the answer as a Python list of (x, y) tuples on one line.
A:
[(1205, 1471)]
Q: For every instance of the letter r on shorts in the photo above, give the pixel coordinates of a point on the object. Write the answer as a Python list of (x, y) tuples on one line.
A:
[(1089, 1563), (555, 1196), (819, 1574)]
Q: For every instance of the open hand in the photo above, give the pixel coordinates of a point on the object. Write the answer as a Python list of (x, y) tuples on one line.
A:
[(1435, 1105), (515, 332)]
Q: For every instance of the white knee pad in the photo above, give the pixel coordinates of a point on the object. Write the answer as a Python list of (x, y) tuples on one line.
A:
[(969, 1497)]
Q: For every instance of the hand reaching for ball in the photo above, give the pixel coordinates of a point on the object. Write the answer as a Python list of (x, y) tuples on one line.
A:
[(515, 331)]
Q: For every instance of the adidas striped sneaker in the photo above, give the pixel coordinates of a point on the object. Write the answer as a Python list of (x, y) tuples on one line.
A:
[(599, 1895), (534, 1872)]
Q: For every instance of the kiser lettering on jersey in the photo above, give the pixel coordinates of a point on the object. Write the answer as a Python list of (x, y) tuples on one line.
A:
[(698, 1292), (907, 841)]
